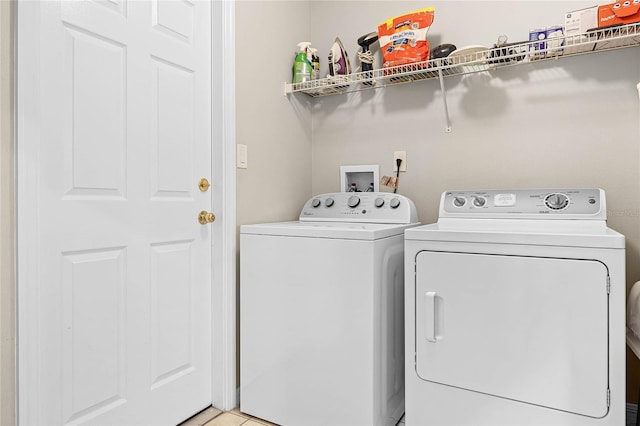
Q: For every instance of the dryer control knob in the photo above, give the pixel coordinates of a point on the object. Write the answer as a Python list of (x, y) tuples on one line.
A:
[(394, 203), (353, 201), (379, 202), (328, 202), (459, 201), (315, 203), (479, 201), (556, 201)]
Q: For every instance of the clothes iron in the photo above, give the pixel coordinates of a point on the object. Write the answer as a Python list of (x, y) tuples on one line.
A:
[(338, 60)]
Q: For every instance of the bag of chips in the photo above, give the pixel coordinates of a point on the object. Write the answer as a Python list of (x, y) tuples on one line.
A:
[(403, 39)]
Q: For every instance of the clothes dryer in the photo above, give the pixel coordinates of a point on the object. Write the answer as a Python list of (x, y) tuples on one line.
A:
[(515, 311), (321, 312)]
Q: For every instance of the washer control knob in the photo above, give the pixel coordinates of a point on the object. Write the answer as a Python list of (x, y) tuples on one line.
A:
[(379, 202), (328, 202), (353, 201), (459, 201), (479, 201), (315, 203), (556, 201), (394, 203)]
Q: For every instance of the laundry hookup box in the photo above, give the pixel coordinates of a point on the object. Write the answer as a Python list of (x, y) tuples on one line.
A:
[(360, 178)]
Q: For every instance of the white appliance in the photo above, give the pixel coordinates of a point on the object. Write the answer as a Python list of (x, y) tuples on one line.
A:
[(515, 311), (321, 312)]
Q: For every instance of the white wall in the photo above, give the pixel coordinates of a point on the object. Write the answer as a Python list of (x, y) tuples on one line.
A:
[(276, 129)]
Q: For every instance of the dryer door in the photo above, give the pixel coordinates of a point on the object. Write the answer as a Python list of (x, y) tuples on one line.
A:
[(531, 329)]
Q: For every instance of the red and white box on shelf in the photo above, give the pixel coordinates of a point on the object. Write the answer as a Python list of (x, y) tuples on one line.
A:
[(615, 24), (627, 12)]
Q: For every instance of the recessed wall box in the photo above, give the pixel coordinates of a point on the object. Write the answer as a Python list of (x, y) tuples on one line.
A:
[(359, 178)]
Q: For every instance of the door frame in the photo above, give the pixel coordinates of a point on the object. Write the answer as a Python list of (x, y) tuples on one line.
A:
[(7, 217), (223, 380), (224, 389)]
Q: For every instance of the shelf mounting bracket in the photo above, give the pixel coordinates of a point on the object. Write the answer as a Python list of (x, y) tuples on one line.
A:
[(444, 101)]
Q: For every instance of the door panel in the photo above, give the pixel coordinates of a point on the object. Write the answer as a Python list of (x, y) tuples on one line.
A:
[(93, 318), (94, 116), (123, 309), (175, 19), (172, 128), (530, 329), (171, 319)]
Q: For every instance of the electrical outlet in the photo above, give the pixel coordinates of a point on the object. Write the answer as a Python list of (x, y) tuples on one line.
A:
[(403, 156)]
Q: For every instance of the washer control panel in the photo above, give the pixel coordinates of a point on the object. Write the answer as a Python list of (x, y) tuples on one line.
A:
[(370, 207), (525, 203)]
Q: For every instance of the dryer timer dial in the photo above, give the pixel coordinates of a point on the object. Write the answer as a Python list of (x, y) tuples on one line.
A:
[(479, 201), (459, 201), (556, 201)]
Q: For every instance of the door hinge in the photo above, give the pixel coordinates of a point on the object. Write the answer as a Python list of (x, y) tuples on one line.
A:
[(608, 397), (608, 284)]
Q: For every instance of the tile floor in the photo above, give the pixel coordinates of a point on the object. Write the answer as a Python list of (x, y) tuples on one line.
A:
[(214, 417), (237, 418)]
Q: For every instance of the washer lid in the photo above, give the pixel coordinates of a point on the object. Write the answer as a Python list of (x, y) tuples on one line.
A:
[(334, 230)]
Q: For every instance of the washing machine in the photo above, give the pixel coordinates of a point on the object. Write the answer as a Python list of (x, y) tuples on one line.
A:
[(322, 312), (515, 311)]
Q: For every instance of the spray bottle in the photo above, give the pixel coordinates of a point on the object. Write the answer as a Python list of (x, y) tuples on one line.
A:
[(315, 63), (301, 65)]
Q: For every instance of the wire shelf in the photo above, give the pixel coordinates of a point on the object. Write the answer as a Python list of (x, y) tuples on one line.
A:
[(508, 54)]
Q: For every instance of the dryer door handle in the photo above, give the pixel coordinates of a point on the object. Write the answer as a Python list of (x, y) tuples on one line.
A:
[(430, 316)]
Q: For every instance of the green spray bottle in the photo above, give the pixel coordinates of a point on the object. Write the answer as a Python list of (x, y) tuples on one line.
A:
[(301, 65)]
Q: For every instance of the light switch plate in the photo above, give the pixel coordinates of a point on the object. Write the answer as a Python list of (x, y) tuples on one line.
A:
[(241, 156)]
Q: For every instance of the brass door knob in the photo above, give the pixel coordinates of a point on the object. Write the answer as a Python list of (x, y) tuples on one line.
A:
[(203, 185), (205, 217)]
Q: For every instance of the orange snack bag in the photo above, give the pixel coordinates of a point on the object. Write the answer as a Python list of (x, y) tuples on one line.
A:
[(403, 39)]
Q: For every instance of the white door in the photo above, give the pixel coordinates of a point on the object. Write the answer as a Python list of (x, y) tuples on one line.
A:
[(115, 287), (529, 329)]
